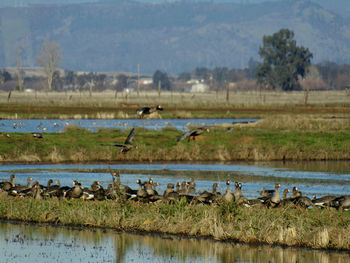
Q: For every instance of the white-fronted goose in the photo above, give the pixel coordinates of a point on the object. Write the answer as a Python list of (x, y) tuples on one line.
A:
[(126, 146), (275, 199), (76, 191), (341, 202), (6, 186), (193, 133), (191, 186), (207, 197), (228, 196), (324, 201)]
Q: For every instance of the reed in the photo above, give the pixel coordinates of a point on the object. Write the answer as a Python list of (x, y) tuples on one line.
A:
[(315, 228)]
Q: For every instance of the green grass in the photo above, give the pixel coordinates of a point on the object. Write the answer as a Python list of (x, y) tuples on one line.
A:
[(313, 228)]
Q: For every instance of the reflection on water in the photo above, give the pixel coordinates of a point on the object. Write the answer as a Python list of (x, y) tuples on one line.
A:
[(27, 243)]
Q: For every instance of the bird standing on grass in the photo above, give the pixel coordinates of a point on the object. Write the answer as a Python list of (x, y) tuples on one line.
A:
[(147, 110), (193, 133), (126, 146)]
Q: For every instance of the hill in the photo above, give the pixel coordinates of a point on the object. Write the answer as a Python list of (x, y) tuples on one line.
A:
[(173, 37)]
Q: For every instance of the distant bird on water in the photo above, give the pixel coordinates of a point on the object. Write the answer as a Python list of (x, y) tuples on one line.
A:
[(193, 133), (126, 146), (147, 110)]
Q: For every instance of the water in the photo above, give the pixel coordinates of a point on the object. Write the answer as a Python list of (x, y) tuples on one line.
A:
[(27, 243), (57, 125), (311, 181)]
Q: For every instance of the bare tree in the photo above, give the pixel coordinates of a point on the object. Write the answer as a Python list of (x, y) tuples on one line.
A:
[(49, 58)]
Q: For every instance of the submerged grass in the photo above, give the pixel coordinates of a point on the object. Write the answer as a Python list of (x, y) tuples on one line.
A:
[(314, 228), (277, 138)]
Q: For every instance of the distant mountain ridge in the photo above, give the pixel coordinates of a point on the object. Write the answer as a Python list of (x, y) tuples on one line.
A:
[(173, 37)]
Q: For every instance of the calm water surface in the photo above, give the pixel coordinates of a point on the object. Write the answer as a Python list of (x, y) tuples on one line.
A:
[(26, 243)]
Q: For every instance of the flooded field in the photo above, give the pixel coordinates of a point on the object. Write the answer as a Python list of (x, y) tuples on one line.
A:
[(56, 125), (29, 243)]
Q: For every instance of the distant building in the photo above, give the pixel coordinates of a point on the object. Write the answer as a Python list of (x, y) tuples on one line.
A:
[(200, 87)]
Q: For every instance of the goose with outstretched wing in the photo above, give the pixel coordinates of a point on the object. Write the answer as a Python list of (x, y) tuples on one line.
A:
[(126, 146), (193, 133)]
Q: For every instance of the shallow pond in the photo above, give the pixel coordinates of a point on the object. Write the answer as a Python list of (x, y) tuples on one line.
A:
[(57, 125), (27, 243), (316, 178)]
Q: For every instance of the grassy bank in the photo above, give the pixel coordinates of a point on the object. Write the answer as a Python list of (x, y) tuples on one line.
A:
[(276, 138), (312, 228)]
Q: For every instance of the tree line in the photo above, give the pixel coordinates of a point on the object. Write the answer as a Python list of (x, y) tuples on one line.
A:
[(283, 66)]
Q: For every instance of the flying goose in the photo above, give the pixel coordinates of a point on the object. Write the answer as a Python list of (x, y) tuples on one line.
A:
[(126, 146), (147, 110), (193, 133)]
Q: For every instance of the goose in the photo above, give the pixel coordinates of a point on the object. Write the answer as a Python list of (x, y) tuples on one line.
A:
[(6, 186), (207, 197), (36, 193), (76, 191), (275, 199), (228, 196), (126, 146), (121, 188), (341, 203), (147, 110), (169, 189), (193, 133), (237, 192), (141, 193), (21, 190), (324, 201), (191, 186), (302, 201), (239, 198), (286, 201)]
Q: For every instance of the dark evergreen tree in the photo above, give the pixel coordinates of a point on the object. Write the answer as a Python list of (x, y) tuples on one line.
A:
[(283, 61), (163, 79)]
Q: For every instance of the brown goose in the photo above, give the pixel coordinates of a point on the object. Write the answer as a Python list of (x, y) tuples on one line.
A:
[(228, 196), (21, 190), (36, 191), (193, 133), (169, 189), (207, 197), (286, 201), (191, 186), (6, 186), (275, 199), (325, 201), (126, 146), (301, 201), (76, 191), (341, 202), (141, 193)]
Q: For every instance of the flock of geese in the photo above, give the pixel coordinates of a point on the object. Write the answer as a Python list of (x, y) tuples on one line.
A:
[(147, 193)]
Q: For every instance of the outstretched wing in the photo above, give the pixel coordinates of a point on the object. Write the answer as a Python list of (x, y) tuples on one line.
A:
[(113, 144), (184, 136), (130, 136)]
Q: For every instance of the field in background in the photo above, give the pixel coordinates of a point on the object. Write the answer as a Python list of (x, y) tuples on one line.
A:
[(110, 104)]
